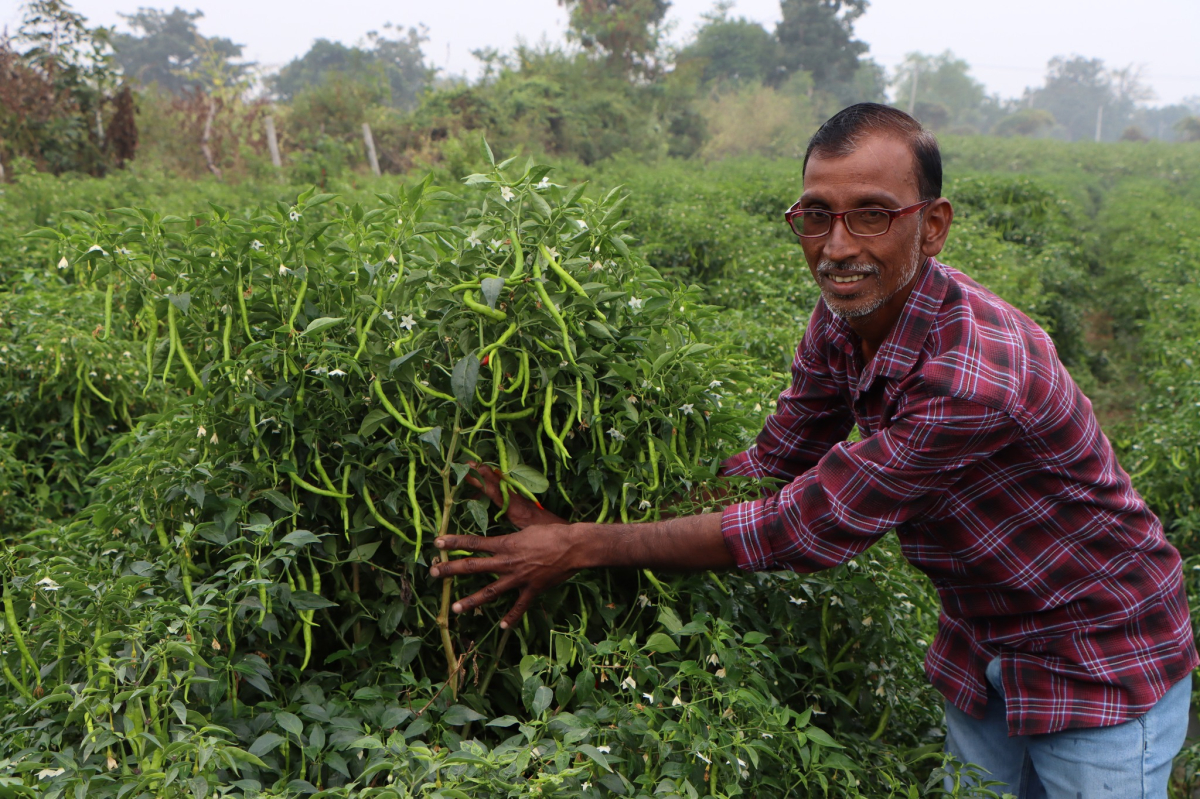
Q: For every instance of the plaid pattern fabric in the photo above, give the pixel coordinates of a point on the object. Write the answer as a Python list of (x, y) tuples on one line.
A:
[(984, 456)]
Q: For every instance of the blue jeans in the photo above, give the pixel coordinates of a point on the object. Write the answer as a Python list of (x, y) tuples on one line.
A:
[(1125, 761)]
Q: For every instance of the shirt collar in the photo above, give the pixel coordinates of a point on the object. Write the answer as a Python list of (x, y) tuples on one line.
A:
[(903, 344)]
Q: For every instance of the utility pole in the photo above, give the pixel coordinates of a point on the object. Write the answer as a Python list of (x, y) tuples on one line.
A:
[(912, 96), (1099, 121), (273, 142), (369, 140)]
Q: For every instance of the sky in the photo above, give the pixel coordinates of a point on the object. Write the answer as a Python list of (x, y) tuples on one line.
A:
[(1007, 43)]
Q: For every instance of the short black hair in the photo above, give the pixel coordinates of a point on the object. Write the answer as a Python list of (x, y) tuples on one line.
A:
[(842, 133)]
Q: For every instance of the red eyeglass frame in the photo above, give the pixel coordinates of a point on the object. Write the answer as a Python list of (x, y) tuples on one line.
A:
[(893, 215)]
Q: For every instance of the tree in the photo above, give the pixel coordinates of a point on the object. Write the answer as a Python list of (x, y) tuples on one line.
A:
[(1188, 128), (942, 87), (1083, 95), (167, 49), (395, 65), (817, 36), (1031, 122), (627, 32), (56, 75), (733, 50)]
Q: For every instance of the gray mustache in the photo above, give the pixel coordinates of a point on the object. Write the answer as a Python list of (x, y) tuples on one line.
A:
[(827, 268)]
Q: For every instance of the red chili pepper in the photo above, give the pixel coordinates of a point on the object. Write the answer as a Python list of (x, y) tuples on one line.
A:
[(487, 358)]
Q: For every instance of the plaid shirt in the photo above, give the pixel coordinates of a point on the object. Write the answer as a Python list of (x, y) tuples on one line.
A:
[(982, 453)]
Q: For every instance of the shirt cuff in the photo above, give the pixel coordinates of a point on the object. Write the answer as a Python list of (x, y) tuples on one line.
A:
[(744, 464), (741, 524)]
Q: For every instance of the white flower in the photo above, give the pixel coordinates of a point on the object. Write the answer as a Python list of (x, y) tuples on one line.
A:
[(201, 432), (767, 735), (213, 439), (645, 503), (495, 244), (836, 601), (757, 407), (629, 683), (745, 772), (506, 194), (123, 251), (597, 267), (636, 303), (721, 673), (713, 659), (582, 224), (702, 757), (38, 348), (294, 215), (867, 621), (336, 373), (62, 264), (407, 322), (544, 183), (473, 240), (212, 255), (797, 601), (110, 762), (687, 408), (715, 384), (49, 772), (391, 259), (388, 315), (256, 245), (676, 702), (616, 434), (553, 251), (283, 270), (605, 749), (643, 600), (48, 585), (648, 697)]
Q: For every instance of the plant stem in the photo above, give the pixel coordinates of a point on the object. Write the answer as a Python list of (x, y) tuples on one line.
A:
[(443, 617)]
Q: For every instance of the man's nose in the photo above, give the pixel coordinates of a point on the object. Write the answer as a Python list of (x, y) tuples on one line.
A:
[(840, 244)]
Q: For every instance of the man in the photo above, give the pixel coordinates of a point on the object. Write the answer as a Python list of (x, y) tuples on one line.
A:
[(1064, 648)]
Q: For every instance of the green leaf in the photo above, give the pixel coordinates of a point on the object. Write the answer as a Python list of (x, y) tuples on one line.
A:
[(317, 325), (487, 152), (363, 552), (596, 755), (661, 642), (280, 501), (490, 287), (289, 722), (265, 744), (459, 715), (181, 301), (669, 619), (307, 600), (463, 380), (372, 421), (821, 738), (299, 538), (529, 477), (752, 638), (541, 700), (503, 721)]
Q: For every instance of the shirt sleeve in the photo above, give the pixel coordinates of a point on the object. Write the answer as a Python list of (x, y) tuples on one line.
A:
[(857, 492), (811, 415)]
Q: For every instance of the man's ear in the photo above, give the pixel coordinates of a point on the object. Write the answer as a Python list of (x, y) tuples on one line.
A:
[(935, 226)]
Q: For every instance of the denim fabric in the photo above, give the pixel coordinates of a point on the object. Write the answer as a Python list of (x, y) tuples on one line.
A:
[(1126, 761)]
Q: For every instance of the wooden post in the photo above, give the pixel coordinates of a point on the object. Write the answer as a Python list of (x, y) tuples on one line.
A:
[(1099, 121), (912, 97), (272, 142), (370, 142), (2, 176), (207, 134)]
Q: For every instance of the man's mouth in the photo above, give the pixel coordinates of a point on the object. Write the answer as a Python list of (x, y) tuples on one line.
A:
[(846, 278)]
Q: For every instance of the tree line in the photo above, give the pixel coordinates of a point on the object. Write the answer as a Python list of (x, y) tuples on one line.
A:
[(79, 98)]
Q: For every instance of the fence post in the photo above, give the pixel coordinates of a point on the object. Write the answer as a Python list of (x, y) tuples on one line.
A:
[(370, 142), (272, 142)]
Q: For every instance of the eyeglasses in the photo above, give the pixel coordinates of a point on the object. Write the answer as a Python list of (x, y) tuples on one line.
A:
[(813, 224)]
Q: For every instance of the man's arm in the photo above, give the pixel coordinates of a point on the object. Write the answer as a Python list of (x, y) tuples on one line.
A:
[(547, 550), (541, 556)]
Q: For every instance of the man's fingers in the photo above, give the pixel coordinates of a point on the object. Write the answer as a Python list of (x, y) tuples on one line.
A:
[(518, 609), (484, 595), (486, 480), (457, 568), (471, 543)]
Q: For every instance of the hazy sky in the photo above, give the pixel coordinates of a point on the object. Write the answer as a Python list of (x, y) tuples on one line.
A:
[(1007, 43)]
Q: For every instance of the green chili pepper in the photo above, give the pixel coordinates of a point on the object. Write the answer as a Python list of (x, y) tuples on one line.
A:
[(366, 495), (377, 385), (178, 345), (241, 296), (570, 281), (480, 308), (548, 425), (413, 503), (518, 255), (291, 323), (539, 286), (10, 616), (108, 302), (498, 343), (307, 486), (433, 392)]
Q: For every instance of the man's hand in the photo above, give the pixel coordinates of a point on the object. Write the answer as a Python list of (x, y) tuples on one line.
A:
[(521, 512), (531, 561)]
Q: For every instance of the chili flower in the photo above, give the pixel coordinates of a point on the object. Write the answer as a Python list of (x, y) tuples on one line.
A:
[(407, 322), (506, 193)]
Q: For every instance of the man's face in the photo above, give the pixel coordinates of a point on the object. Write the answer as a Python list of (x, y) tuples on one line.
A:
[(862, 277)]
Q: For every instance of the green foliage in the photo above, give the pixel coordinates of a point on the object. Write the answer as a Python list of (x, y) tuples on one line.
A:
[(167, 49), (395, 63), (731, 50), (817, 36)]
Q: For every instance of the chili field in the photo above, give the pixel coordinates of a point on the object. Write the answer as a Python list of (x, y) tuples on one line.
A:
[(235, 418)]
